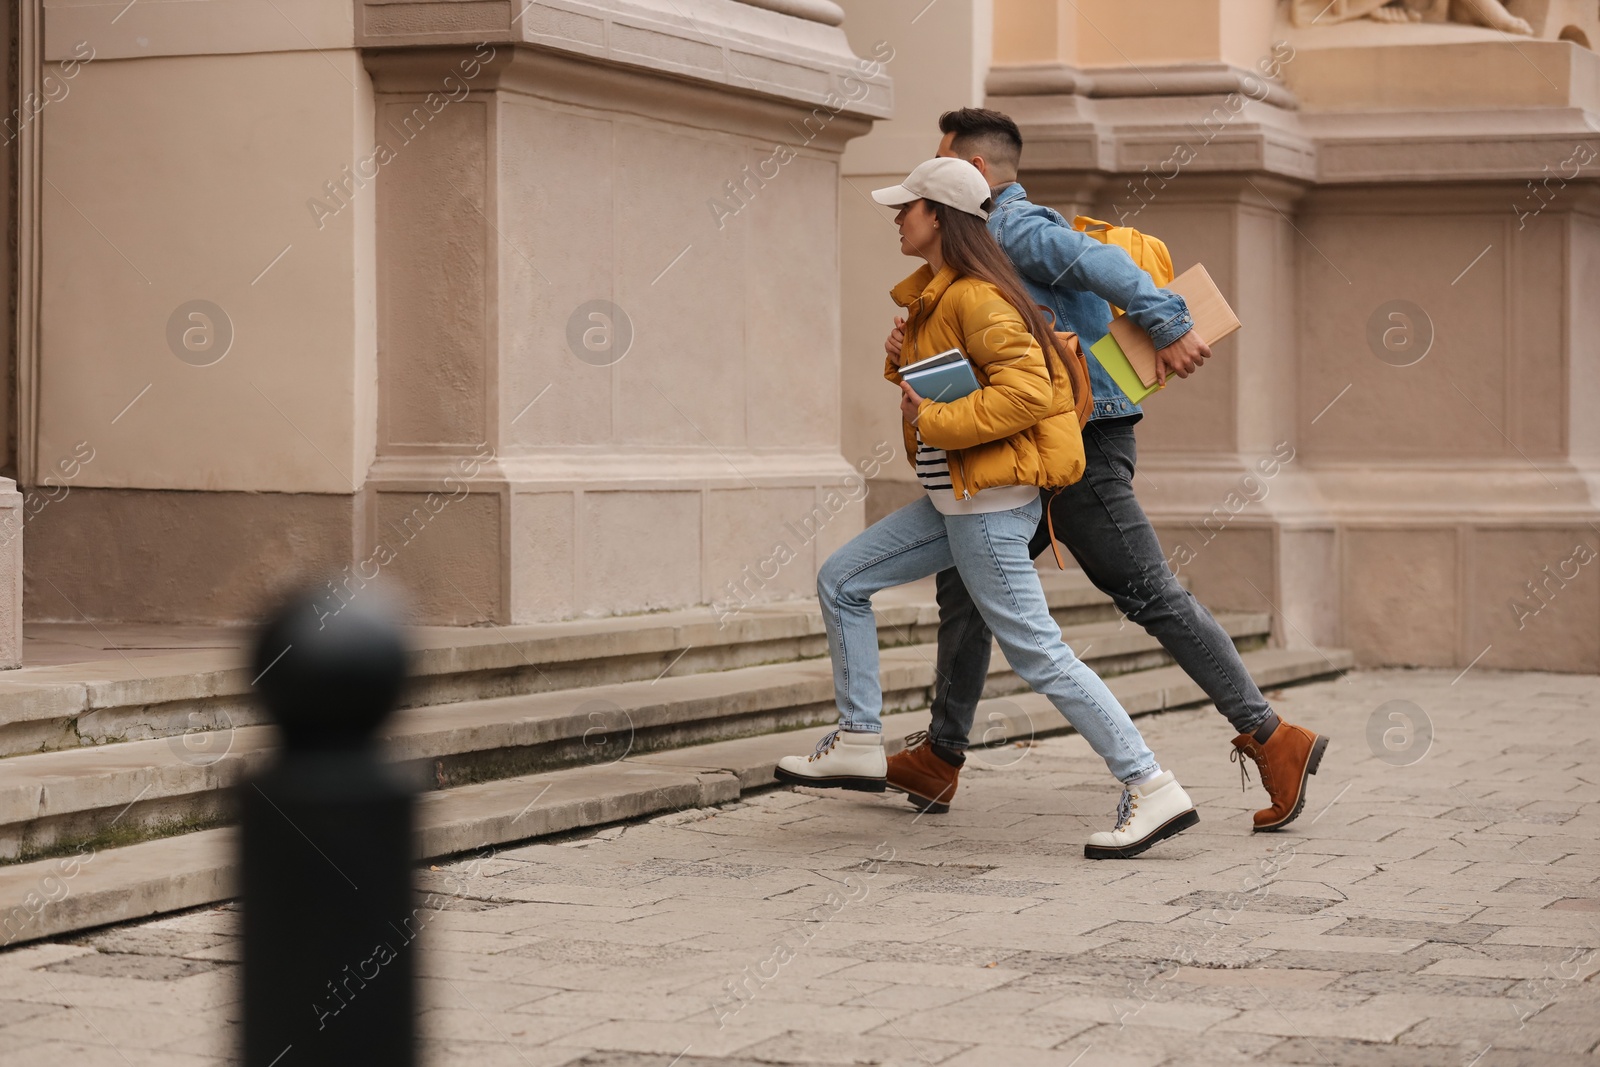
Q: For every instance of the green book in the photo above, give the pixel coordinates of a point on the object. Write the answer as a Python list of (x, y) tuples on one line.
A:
[(1111, 357)]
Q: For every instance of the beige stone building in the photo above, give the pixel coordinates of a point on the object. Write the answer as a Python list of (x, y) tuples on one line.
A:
[(550, 309)]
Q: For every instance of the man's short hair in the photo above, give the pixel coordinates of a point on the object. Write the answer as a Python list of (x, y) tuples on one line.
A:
[(981, 132)]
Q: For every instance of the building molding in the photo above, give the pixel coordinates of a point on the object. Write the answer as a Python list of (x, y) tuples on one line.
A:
[(1176, 79), (792, 50), (575, 80), (824, 11), (30, 75)]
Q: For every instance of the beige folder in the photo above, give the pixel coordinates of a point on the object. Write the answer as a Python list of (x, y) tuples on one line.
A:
[(1213, 320)]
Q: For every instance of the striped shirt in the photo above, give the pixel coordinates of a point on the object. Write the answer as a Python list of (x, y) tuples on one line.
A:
[(933, 471), (933, 468)]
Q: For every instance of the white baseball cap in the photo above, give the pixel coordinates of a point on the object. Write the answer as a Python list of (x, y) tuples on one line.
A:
[(950, 181)]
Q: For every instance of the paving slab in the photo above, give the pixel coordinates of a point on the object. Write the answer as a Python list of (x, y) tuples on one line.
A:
[(978, 938), (170, 874)]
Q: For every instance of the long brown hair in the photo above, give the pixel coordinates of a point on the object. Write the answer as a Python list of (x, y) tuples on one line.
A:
[(971, 251)]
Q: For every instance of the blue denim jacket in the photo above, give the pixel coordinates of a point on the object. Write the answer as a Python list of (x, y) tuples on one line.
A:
[(1077, 278)]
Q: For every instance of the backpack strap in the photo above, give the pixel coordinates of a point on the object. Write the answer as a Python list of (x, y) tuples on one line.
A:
[(1083, 401), (1050, 524), (1077, 368)]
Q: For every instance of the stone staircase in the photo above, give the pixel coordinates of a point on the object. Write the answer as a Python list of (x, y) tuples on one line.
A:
[(123, 771)]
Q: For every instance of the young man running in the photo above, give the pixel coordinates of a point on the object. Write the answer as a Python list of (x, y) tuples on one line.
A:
[(1098, 519)]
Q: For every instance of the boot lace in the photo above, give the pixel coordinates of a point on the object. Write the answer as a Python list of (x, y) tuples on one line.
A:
[(1243, 758), (915, 740), (1125, 809), (824, 746)]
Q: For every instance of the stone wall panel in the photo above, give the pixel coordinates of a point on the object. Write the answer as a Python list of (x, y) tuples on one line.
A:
[(444, 556), (1401, 596), (684, 383), (435, 264), (544, 556), (641, 551), (1537, 594), (558, 262), (130, 555), (760, 544), (1411, 272)]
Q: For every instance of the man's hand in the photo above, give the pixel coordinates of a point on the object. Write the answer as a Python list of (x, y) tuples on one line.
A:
[(897, 337), (910, 403), (1182, 357)]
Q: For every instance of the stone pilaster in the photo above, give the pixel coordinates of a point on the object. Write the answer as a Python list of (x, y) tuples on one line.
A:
[(1396, 454), (607, 309), (532, 308)]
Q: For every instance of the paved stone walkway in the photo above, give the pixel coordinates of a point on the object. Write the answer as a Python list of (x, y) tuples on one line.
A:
[(1437, 904)]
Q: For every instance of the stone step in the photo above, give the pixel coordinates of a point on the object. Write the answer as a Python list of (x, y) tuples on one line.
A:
[(60, 801), (45, 709), (1005, 720), (94, 887)]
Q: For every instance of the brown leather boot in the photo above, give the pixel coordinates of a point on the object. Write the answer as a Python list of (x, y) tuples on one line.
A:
[(1285, 761), (919, 773)]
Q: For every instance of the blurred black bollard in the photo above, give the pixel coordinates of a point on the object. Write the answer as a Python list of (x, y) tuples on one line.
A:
[(329, 910)]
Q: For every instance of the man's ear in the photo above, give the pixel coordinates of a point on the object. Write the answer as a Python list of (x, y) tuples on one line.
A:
[(982, 165)]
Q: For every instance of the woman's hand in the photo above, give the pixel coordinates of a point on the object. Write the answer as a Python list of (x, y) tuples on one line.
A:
[(896, 339), (910, 403)]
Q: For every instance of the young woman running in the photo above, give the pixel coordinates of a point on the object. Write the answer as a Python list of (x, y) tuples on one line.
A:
[(982, 459)]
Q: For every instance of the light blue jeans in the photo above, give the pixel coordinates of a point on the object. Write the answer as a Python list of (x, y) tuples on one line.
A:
[(991, 553)]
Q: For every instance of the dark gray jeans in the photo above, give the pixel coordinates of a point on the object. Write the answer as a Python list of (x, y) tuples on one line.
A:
[(1102, 524)]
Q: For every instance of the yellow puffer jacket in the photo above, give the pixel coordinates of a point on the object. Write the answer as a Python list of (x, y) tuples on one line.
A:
[(1020, 428)]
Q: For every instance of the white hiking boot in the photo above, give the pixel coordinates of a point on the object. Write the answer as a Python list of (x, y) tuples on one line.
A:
[(843, 760), (1148, 813)]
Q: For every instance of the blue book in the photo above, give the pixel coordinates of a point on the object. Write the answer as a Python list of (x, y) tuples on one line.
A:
[(942, 378)]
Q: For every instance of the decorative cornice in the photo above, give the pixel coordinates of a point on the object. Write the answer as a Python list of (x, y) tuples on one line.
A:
[(1123, 123), (1377, 492), (1178, 79), (793, 50), (605, 469), (823, 11), (594, 83), (1557, 143)]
